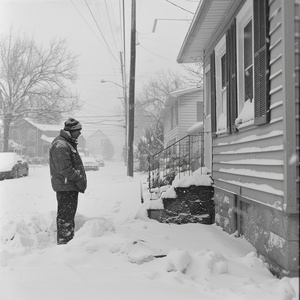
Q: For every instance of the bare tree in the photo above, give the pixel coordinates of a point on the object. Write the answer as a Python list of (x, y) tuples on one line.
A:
[(34, 81), (195, 74), (154, 94)]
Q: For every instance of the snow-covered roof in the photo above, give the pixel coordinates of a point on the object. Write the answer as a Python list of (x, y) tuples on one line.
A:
[(45, 127), (195, 128), (184, 91), (207, 18), (174, 95), (15, 145), (47, 138)]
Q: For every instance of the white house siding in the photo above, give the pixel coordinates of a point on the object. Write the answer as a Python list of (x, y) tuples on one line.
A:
[(254, 181), (257, 143), (188, 111), (187, 116), (170, 134)]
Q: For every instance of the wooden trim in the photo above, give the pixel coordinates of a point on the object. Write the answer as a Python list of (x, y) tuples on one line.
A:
[(213, 94), (261, 62), (289, 105)]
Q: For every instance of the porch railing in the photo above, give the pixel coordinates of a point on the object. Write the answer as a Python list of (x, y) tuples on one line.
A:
[(184, 156)]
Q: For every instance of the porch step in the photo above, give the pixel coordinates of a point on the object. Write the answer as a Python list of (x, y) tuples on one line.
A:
[(192, 205)]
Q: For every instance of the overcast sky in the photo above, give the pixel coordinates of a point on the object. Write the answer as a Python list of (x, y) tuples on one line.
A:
[(93, 32)]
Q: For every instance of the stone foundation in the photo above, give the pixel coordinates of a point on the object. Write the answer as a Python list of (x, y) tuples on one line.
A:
[(192, 205), (272, 232)]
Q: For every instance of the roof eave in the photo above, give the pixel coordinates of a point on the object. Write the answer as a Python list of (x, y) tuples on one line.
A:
[(192, 34)]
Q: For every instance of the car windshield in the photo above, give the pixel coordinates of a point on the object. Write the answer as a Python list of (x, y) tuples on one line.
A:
[(7, 159), (88, 159)]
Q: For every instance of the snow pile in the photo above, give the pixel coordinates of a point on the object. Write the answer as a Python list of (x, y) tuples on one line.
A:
[(199, 177), (169, 193), (95, 228), (195, 128), (115, 255), (247, 113), (178, 260)]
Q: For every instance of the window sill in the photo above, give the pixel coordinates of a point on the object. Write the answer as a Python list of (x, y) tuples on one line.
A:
[(219, 132), (246, 124)]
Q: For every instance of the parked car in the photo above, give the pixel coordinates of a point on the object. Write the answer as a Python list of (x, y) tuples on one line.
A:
[(100, 160), (12, 165), (90, 163)]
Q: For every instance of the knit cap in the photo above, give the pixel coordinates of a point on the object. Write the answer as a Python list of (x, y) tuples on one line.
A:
[(72, 124)]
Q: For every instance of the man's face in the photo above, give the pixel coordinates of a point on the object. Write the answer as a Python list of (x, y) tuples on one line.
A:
[(75, 134)]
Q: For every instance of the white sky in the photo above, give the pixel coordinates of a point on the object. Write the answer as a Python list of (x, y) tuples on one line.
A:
[(71, 19)]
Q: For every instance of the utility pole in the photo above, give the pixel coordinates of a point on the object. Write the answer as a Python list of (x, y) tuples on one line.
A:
[(131, 91), (125, 104)]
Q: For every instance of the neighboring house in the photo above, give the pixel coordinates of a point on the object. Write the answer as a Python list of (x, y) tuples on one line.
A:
[(250, 52), (36, 138), (97, 142), (182, 109)]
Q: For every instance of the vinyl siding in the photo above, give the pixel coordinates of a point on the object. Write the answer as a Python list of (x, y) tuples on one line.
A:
[(169, 133), (188, 111), (187, 116), (252, 163)]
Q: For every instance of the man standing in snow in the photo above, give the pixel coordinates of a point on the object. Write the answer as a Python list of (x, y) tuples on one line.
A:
[(68, 178)]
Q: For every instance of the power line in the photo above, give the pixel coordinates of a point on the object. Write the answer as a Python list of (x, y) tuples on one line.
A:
[(110, 25), (180, 7), (87, 23), (157, 54), (100, 30)]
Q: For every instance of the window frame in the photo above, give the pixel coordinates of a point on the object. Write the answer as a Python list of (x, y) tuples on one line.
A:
[(31, 135), (243, 18), (220, 51)]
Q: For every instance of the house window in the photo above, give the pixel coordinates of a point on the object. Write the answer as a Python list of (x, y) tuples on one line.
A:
[(245, 64), (31, 151), (172, 117), (248, 62), (221, 85), (176, 113), (199, 111), (31, 135), (240, 71), (207, 93), (16, 135)]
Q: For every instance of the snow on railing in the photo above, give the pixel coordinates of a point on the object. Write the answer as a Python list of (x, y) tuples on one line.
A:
[(182, 157)]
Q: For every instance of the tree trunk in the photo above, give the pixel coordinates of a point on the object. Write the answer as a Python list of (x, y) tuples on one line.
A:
[(7, 122)]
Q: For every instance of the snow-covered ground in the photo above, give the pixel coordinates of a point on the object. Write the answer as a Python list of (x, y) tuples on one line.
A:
[(118, 253)]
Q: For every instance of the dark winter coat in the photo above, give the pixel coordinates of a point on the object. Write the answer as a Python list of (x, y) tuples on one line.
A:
[(66, 168)]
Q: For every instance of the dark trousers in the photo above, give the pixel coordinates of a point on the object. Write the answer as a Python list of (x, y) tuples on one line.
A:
[(66, 209)]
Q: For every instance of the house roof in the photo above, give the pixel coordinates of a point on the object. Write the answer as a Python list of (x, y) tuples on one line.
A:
[(47, 138), (45, 127), (195, 128), (206, 21), (174, 95)]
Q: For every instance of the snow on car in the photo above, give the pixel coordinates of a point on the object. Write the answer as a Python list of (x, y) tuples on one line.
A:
[(90, 163), (100, 160), (12, 165)]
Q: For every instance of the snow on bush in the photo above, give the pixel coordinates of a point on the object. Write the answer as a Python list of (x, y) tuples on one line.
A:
[(197, 265), (139, 253), (95, 228), (178, 260), (247, 113), (19, 235)]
